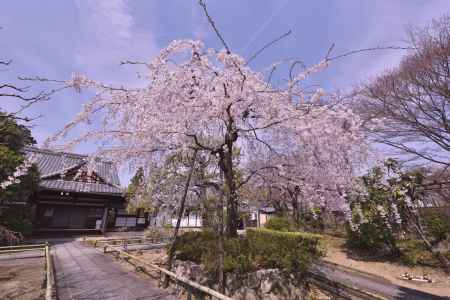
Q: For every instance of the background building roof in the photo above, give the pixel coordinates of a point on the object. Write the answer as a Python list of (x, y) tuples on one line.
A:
[(53, 166)]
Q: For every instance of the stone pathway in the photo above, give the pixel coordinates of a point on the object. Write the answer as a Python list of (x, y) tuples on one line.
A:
[(85, 273)]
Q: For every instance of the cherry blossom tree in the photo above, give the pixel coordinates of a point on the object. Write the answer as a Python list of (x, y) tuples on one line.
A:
[(211, 101)]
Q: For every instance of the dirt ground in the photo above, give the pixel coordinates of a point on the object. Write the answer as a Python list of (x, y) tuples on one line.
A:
[(22, 278), (390, 271), (157, 256)]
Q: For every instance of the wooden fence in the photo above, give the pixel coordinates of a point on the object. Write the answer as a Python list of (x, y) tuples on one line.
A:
[(50, 292), (119, 249), (127, 241), (192, 288)]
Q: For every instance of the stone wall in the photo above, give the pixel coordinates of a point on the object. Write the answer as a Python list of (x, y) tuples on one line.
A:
[(262, 284)]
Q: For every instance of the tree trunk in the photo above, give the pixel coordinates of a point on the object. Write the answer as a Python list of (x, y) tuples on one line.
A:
[(220, 245), (226, 165), (232, 215), (295, 208), (180, 213)]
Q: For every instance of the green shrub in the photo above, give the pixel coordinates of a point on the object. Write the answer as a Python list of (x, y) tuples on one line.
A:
[(372, 239), (17, 219), (236, 260), (259, 249), (279, 223), (168, 226), (438, 226), (290, 251), (414, 252), (411, 252), (193, 244)]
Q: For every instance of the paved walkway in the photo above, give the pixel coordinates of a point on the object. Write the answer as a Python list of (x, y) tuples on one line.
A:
[(84, 273), (373, 284)]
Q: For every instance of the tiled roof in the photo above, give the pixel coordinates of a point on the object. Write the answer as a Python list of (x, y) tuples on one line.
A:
[(80, 187), (52, 163)]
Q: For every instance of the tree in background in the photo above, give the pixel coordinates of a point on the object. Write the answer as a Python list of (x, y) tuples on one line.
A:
[(19, 179), (408, 108), (388, 204), (133, 191)]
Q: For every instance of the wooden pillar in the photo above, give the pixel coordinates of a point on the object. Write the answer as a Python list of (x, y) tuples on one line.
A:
[(105, 219), (33, 212)]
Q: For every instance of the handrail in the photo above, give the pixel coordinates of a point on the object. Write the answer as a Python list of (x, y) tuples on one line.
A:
[(127, 240), (50, 293), (21, 250), (22, 246), (174, 276)]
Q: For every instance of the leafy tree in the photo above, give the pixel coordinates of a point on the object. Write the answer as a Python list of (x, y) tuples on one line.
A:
[(133, 191), (18, 178), (388, 204)]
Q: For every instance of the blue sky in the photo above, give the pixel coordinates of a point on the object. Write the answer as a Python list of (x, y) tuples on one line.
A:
[(54, 38)]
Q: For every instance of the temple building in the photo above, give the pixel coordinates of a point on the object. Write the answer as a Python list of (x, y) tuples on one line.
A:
[(79, 195)]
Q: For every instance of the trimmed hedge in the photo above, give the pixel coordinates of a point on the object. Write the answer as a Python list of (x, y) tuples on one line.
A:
[(290, 251), (193, 245), (259, 249), (279, 223)]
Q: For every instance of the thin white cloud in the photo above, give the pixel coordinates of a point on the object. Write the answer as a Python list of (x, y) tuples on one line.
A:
[(264, 26), (200, 26), (385, 25), (108, 18), (109, 36)]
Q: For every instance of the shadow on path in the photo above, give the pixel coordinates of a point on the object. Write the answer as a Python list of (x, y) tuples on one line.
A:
[(84, 273)]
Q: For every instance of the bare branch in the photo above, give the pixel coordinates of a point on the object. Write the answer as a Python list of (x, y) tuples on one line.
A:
[(129, 62), (253, 173), (377, 48), (5, 63), (213, 25), (267, 46)]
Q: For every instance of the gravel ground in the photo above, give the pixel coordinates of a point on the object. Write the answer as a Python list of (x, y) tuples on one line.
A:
[(22, 276)]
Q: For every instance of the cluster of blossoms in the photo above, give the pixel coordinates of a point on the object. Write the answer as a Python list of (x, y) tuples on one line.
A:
[(78, 82), (359, 216), (198, 97), (390, 196), (21, 170), (397, 217)]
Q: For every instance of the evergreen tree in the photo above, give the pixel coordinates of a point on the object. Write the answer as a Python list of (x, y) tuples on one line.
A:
[(15, 218)]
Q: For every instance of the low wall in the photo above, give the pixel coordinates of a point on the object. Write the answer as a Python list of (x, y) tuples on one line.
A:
[(262, 284)]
